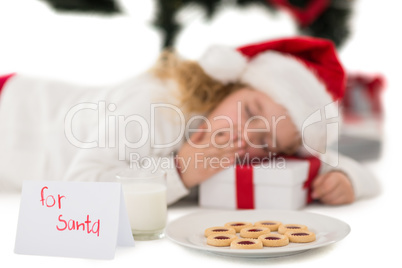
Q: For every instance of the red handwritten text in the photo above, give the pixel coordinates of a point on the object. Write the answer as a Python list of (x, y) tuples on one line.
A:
[(76, 225), (49, 200)]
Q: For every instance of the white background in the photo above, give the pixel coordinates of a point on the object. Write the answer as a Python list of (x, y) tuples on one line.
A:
[(97, 50)]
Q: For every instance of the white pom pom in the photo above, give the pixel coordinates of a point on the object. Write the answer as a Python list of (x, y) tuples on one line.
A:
[(223, 63)]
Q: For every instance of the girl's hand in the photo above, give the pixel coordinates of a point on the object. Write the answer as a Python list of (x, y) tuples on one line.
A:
[(333, 188), (206, 153)]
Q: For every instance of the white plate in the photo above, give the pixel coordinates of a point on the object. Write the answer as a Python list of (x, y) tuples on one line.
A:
[(189, 230)]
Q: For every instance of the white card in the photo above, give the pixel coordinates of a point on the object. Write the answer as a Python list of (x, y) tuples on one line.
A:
[(72, 219)]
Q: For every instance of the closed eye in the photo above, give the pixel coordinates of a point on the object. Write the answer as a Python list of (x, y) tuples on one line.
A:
[(248, 111)]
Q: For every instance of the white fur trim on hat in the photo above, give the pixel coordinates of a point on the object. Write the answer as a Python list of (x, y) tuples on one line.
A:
[(290, 83), (223, 63)]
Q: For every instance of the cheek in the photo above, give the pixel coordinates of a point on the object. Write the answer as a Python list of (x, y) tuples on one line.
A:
[(289, 139)]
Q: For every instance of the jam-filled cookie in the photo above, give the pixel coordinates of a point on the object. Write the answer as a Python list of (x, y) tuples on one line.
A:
[(272, 225), (219, 230), (246, 243), (221, 240), (253, 232), (238, 225), (274, 240), (283, 228), (301, 236)]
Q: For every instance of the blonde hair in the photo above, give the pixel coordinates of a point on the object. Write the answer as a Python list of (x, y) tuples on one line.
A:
[(198, 93)]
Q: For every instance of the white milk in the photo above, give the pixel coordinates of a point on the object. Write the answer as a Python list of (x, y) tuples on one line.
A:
[(146, 206)]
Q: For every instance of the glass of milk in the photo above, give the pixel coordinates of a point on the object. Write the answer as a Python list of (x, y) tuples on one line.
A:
[(145, 198)]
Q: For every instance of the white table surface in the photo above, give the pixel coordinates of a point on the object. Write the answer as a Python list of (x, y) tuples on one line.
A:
[(373, 239)]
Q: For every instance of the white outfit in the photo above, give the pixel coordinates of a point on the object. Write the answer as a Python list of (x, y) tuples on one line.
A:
[(34, 144), (37, 142)]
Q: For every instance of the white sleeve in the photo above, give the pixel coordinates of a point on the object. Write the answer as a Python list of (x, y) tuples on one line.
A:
[(364, 182), (131, 141)]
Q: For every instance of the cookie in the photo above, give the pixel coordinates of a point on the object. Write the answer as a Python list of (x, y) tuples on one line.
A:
[(272, 225), (238, 225), (253, 232), (283, 228), (246, 243), (221, 240), (301, 236), (219, 230), (274, 240)]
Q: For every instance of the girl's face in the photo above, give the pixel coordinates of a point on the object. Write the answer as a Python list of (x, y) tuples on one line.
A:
[(263, 125)]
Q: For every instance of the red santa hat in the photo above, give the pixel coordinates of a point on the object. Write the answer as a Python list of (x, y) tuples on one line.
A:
[(303, 74)]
